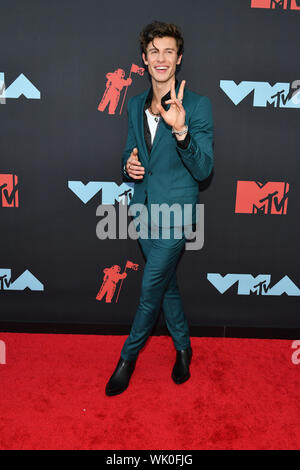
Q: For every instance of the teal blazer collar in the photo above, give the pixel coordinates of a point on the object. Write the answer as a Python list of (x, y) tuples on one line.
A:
[(166, 97), (145, 99)]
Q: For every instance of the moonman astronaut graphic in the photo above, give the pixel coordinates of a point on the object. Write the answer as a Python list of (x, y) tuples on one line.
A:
[(111, 278), (114, 85)]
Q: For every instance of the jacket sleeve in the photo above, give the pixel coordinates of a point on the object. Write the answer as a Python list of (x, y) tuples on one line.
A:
[(130, 144), (198, 157)]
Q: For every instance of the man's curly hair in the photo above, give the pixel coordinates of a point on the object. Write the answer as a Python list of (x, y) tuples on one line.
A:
[(158, 29)]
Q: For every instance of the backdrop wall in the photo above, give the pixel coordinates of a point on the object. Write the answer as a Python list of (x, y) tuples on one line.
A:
[(55, 57)]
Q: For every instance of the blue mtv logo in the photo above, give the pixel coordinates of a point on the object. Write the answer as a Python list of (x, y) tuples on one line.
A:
[(21, 86), (279, 95), (247, 284), (111, 192), (26, 280)]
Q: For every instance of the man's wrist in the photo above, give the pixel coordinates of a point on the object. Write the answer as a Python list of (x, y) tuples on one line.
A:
[(180, 132), (179, 129), (183, 144), (180, 137)]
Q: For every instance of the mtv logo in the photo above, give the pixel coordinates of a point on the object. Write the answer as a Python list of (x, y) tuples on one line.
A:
[(264, 94), (26, 280), (276, 4), (248, 284), (9, 191), (2, 89), (20, 86), (253, 197), (111, 192)]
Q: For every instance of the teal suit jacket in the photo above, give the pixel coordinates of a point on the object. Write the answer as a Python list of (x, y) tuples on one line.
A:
[(171, 173)]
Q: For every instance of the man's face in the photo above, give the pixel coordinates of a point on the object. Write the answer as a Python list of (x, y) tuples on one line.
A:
[(162, 58)]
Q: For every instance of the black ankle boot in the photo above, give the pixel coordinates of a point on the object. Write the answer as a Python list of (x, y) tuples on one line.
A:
[(119, 381), (181, 371)]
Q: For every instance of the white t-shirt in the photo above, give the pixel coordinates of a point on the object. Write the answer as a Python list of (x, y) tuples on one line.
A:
[(152, 123)]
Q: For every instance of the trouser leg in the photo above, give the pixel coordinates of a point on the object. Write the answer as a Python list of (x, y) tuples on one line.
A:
[(175, 317), (162, 258)]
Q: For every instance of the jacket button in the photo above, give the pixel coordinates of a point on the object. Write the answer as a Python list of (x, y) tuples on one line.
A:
[(150, 172)]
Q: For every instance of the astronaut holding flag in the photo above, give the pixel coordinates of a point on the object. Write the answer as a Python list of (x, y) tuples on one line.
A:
[(114, 85)]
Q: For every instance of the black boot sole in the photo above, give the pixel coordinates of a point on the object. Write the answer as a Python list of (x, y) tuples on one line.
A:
[(181, 380), (118, 392), (113, 392)]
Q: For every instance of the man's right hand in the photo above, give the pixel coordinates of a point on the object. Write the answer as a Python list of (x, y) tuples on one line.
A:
[(134, 167)]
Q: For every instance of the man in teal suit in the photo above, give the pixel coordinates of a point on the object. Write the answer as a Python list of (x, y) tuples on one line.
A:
[(169, 150)]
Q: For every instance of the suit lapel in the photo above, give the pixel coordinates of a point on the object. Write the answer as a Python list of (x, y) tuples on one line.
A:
[(162, 128), (141, 122)]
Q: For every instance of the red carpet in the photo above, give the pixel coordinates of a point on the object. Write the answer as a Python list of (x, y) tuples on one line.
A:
[(243, 394)]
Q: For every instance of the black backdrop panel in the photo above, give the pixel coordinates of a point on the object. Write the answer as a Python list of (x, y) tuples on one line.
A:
[(65, 49)]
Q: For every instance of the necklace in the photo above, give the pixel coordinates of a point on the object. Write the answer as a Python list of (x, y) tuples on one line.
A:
[(154, 114)]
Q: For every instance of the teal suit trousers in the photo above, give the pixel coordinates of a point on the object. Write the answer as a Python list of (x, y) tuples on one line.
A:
[(159, 289)]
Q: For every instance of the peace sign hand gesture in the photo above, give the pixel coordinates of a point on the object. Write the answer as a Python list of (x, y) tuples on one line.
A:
[(175, 116)]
